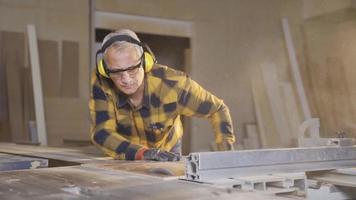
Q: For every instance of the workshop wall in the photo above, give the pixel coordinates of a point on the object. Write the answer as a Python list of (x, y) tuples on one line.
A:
[(238, 53), (321, 7), (63, 32), (231, 41), (330, 46)]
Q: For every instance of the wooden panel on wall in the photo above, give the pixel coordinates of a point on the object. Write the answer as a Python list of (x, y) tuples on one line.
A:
[(14, 45), (5, 134), (66, 119), (330, 71), (277, 111), (293, 112), (49, 63), (266, 125), (341, 95), (273, 90), (332, 97), (251, 140), (70, 69)]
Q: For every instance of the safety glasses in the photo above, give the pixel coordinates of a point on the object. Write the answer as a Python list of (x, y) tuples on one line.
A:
[(118, 73)]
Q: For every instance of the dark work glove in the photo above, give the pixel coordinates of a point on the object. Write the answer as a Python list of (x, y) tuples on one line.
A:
[(160, 155)]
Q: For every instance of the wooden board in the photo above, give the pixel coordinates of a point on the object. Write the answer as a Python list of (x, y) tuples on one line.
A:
[(37, 85), (13, 45), (273, 90), (67, 119), (5, 134), (341, 100), (165, 170), (78, 155), (293, 113), (49, 63), (330, 72), (251, 141), (88, 183), (28, 101), (70, 69), (266, 125), (93, 158), (99, 178), (276, 108), (335, 178), (11, 162)]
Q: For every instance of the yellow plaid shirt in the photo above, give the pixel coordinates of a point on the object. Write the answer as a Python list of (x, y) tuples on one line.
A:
[(121, 130)]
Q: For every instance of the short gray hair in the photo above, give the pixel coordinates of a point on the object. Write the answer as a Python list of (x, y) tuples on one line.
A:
[(122, 45)]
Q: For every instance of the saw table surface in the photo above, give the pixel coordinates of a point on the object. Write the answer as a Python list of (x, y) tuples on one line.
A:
[(11, 162), (84, 173)]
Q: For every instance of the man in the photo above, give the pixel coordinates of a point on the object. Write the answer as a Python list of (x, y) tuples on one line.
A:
[(136, 104)]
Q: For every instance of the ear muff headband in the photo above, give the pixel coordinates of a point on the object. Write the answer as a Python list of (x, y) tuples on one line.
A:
[(148, 61), (119, 38), (102, 69), (148, 58)]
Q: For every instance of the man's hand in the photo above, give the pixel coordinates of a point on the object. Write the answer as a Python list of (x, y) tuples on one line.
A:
[(230, 147), (160, 155), (225, 146)]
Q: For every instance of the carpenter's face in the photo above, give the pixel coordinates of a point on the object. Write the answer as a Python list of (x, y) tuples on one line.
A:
[(125, 69)]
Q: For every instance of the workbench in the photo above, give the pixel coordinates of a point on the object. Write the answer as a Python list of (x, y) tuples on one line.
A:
[(84, 173)]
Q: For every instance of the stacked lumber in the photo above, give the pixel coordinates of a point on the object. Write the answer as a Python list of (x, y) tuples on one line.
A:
[(276, 107), (65, 112)]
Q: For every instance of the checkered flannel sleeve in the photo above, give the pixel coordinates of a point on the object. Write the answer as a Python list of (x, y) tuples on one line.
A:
[(103, 127), (196, 101)]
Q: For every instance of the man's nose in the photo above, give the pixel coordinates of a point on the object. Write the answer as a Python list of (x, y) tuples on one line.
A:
[(125, 76)]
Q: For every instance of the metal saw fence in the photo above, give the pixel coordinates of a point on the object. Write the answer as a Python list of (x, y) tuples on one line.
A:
[(207, 166)]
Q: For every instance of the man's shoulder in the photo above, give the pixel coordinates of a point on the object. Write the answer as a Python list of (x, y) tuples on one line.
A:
[(165, 72)]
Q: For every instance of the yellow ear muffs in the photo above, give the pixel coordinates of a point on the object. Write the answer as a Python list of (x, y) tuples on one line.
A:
[(149, 61), (101, 69)]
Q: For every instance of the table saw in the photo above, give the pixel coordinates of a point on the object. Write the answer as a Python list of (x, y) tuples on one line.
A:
[(84, 173)]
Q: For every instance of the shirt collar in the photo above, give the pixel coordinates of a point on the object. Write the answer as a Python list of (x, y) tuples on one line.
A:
[(123, 99)]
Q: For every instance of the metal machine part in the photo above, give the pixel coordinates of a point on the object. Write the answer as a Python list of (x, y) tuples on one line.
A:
[(311, 126), (206, 166), (273, 184)]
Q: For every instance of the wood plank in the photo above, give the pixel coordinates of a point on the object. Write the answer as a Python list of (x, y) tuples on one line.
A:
[(341, 98), (164, 170), (293, 115), (78, 155), (89, 183), (67, 119), (335, 178), (28, 101), (70, 69), (13, 43), (273, 90), (37, 85), (251, 141), (295, 69), (266, 125), (5, 134), (11, 162), (330, 73), (49, 63), (324, 94)]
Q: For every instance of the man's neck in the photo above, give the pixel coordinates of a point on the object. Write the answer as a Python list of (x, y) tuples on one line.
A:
[(137, 97)]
